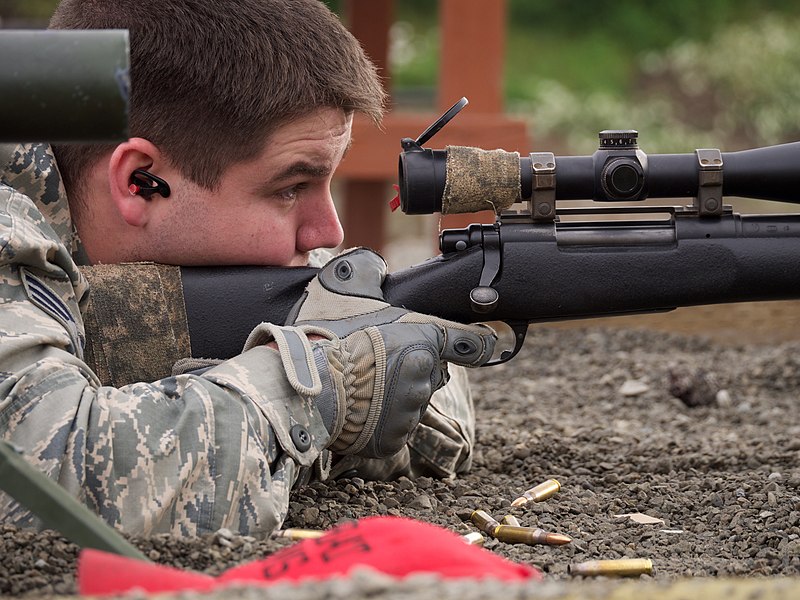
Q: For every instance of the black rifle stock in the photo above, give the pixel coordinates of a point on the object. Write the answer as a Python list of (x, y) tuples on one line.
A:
[(547, 274), (538, 264)]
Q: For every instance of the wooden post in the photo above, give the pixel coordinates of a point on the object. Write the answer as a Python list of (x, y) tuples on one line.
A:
[(471, 65), (365, 200), (473, 50)]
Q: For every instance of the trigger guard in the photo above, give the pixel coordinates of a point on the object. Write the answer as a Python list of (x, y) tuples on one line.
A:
[(520, 329)]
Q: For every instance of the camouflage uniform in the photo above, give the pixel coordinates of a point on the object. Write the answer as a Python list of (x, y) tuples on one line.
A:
[(186, 454)]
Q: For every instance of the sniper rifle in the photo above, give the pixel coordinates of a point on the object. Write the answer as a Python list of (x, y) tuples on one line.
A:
[(540, 261)]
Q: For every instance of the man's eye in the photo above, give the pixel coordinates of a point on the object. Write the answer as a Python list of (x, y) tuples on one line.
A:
[(290, 194)]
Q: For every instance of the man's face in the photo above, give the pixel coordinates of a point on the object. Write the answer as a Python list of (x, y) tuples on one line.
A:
[(271, 210)]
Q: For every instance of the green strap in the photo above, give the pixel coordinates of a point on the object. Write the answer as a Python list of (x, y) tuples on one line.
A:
[(56, 508)]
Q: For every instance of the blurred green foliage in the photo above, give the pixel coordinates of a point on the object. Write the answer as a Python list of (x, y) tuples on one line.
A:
[(639, 24), (587, 45), (687, 74), (739, 88)]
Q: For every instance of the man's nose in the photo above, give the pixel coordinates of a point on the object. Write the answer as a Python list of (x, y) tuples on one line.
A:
[(321, 227)]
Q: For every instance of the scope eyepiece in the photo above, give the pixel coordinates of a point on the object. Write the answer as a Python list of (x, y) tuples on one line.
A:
[(422, 174)]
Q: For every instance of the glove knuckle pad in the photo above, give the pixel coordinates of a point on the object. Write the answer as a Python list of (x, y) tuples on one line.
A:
[(407, 395), (467, 348), (398, 337), (356, 273)]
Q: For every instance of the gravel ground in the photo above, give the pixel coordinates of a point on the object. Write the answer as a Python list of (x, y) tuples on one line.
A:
[(597, 409)]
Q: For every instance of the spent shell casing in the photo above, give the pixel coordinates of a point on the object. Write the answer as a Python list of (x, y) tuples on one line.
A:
[(529, 535), (623, 567), (536, 494), (510, 520), (474, 538), (299, 534), (484, 521)]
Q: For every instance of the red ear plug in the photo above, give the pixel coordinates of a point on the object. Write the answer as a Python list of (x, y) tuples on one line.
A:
[(145, 184)]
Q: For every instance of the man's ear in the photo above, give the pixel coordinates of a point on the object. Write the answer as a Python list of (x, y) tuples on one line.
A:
[(136, 153)]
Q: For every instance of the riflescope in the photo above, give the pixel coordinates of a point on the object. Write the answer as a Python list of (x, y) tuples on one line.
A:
[(618, 171)]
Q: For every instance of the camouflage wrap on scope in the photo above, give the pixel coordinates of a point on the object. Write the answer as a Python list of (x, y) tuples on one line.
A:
[(480, 179), (184, 454)]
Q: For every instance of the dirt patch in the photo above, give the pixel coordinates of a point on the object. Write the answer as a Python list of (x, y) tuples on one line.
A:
[(731, 324)]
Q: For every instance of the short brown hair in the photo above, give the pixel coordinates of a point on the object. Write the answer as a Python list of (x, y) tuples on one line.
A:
[(231, 72)]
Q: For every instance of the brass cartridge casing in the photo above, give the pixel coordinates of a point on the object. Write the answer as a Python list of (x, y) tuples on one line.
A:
[(541, 492), (299, 534), (474, 538), (510, 520), (484, 521), (530, 536), (624, 567)]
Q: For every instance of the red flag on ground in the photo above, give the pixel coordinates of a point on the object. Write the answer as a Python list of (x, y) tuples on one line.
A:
[(395, 546)]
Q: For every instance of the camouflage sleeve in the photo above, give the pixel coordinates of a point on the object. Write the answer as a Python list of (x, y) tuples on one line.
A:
[(442, 443), (185, 455)]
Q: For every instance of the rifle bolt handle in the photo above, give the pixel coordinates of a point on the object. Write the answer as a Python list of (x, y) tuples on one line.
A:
[(483, 299)]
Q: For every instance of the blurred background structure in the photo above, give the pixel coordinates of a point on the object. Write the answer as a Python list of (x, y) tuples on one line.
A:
[(548, 75)]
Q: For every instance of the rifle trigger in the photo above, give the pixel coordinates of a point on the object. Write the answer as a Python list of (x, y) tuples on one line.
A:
[(520, 329)]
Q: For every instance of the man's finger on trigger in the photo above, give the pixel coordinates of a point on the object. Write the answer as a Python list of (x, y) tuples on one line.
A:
[(467, 348)]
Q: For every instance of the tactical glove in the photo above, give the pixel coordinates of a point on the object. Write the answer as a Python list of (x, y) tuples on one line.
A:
[(373, 367)]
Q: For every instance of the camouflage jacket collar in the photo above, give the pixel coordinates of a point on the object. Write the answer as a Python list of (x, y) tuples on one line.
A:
[(31, 170)]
